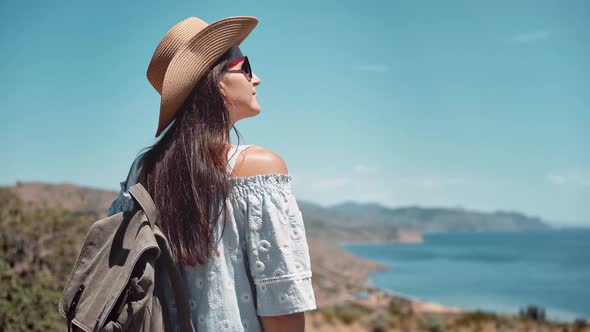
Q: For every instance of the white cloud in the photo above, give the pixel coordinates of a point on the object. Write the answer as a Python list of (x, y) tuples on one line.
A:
[(570, 177), (372, 68), (365, 169), (530, 37)]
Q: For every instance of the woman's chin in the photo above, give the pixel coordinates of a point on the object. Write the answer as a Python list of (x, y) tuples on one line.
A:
[(255, 110)]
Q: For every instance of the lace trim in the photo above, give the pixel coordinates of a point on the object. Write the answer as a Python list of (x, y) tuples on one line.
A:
[(258, 184), (294, 276)]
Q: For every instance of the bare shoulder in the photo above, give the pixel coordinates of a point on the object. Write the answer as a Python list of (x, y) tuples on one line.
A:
[(257, 160)]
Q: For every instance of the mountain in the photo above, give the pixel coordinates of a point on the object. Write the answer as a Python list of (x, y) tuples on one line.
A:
[(430, 220), (328, 224), (345, 222)]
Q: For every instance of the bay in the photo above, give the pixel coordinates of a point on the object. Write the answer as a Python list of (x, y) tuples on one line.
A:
[(494, 271)]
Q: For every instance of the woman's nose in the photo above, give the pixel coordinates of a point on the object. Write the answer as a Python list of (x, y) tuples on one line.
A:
[(255, 79)]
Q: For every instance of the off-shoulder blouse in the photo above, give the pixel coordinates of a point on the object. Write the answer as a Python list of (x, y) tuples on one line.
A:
[(263, 267)]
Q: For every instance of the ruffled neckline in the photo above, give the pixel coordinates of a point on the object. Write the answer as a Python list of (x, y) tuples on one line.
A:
[(260, 183), (260, 177)]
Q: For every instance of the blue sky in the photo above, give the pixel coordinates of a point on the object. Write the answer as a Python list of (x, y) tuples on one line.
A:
[(483, 105)]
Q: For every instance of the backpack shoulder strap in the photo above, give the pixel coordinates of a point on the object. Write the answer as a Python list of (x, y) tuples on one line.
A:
[(147, 204)]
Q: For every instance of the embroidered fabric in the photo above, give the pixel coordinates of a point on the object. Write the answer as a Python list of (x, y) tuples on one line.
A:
[(276, 245)]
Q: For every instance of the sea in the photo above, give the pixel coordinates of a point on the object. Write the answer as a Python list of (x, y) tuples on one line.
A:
[(493, 271)]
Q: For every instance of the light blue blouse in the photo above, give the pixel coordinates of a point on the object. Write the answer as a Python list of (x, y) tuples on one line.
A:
[(263, 267)]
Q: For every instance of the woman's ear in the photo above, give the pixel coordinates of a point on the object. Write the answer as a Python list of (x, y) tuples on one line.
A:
[(222, 88)]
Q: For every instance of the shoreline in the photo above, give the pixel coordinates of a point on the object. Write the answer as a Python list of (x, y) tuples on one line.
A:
[(418, 304), (341, 264), (424, 305)]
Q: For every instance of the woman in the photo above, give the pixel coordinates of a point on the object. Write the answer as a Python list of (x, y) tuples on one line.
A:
[(227, 211)]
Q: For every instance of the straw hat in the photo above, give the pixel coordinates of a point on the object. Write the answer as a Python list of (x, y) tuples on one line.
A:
[(184, 55)]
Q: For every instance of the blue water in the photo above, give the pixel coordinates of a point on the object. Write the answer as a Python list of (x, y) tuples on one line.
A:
[(497, 271)]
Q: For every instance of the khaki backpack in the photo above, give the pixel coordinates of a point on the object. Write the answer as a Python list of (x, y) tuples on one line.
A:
[(118, 280)]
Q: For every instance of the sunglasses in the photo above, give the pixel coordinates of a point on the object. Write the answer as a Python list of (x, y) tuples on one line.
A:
[(246, 69)]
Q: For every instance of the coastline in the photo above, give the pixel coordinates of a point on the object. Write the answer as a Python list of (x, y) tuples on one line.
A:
[(418, 304), (341, 276), (422, 305)]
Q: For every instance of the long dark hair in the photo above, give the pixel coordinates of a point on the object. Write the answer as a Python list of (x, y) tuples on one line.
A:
[(185, 171)]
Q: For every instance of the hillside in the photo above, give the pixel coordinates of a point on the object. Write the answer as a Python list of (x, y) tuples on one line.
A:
[(64, 196), (429, 220), (357, 222)]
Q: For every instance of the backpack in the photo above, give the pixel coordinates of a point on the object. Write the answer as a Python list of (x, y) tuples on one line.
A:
[(118, 281)]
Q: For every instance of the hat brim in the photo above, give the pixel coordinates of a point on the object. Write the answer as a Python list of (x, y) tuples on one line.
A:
[(190, 63)]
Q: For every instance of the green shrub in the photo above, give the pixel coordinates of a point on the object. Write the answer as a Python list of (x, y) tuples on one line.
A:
[(394, 307), (580, 324), (433, 323), (533, 312), (348, 315), (349, 312), (328, 315), (473, 317), (316, 323), (377, 321)]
